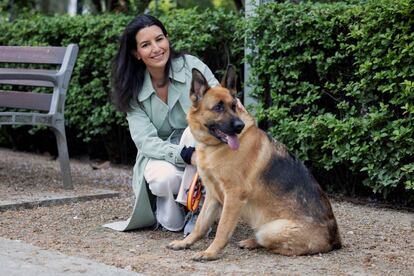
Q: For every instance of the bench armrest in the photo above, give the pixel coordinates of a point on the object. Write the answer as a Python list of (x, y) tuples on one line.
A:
[(52, 76)]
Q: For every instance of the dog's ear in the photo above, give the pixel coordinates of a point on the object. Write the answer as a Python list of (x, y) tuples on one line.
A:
[(230, 80), (199, 86)]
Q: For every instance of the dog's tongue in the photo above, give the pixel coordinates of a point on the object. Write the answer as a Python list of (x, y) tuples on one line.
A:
[(233, 142)]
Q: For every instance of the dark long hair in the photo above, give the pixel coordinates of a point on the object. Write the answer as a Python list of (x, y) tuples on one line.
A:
[(128, 73)]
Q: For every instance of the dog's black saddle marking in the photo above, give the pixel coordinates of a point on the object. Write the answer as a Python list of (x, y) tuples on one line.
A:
[(288, 175)]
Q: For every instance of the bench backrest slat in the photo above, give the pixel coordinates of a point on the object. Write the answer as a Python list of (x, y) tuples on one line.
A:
[(24, 81), (38, 55), (25, 100), (27, 83)]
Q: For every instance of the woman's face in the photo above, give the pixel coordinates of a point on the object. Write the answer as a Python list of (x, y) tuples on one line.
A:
[(153, 47)]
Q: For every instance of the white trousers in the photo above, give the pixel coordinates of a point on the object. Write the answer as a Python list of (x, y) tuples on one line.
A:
[(170, 184)]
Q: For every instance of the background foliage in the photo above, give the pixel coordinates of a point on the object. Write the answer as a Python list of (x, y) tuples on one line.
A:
[(89, 114), (13, 9), (334, 82)]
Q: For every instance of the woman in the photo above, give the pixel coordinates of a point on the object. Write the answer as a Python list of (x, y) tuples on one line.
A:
[(152, 84)]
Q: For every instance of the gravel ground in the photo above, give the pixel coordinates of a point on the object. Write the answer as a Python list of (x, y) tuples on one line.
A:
[(377, 241)]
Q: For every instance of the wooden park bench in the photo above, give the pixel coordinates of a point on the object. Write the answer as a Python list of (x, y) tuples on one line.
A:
[(19, 105)]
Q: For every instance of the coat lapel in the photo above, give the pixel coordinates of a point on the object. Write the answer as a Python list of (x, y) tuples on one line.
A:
[(152, 103), (177, 92), (147, 89), (159, 111)]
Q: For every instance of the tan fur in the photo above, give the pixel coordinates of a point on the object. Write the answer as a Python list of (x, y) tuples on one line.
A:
[(235, 187)]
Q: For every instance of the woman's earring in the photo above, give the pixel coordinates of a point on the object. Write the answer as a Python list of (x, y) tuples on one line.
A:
[(136, 55)]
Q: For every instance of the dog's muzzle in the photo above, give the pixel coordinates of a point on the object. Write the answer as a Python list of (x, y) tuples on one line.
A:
[(227, 133)]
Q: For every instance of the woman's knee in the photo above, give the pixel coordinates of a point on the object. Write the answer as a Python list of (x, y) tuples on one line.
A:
[(163, 178)]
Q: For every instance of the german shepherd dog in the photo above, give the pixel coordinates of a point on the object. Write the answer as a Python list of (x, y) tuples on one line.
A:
[(249, 175)]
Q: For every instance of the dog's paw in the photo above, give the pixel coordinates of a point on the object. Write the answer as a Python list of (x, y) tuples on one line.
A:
[(249, 244), (204, 256), (178, 245)]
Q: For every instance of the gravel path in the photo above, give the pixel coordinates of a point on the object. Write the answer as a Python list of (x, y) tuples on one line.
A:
[(377, 241)]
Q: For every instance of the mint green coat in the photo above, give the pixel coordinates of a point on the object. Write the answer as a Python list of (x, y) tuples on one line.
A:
[(151, 125)]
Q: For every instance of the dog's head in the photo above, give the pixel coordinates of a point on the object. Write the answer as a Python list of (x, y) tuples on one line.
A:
[(214, 117)]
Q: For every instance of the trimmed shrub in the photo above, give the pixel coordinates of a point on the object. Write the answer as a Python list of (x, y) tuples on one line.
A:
[(89, 112), (335, 83)]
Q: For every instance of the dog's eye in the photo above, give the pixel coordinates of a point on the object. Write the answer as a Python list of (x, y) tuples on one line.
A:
[(233, 107), (219, 107)]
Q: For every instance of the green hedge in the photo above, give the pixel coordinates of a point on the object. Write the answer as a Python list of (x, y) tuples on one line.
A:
[(335, 83), (89, 112)]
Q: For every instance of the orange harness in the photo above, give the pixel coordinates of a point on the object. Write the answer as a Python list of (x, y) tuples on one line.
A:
[(194, 193)]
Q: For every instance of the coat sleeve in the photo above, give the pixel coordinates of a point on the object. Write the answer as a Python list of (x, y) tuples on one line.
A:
[(145, 136), (202, 67), (212, 81)]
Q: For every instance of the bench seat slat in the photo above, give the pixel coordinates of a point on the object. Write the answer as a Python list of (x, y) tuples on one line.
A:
[(38, 55), (25, 100)]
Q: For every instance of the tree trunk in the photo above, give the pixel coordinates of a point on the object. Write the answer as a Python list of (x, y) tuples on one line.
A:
[(79, 6), (72, 7), (142, 5), (98, 6), (239, 4), (45, 6)]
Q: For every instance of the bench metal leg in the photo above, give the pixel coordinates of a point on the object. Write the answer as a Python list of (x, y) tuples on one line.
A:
[(60, 134)]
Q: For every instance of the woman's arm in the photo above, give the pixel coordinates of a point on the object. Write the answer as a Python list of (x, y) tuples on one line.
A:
[(149, 144)]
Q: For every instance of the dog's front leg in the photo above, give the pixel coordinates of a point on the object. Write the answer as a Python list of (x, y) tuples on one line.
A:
[(208, 214), (229, 217)]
